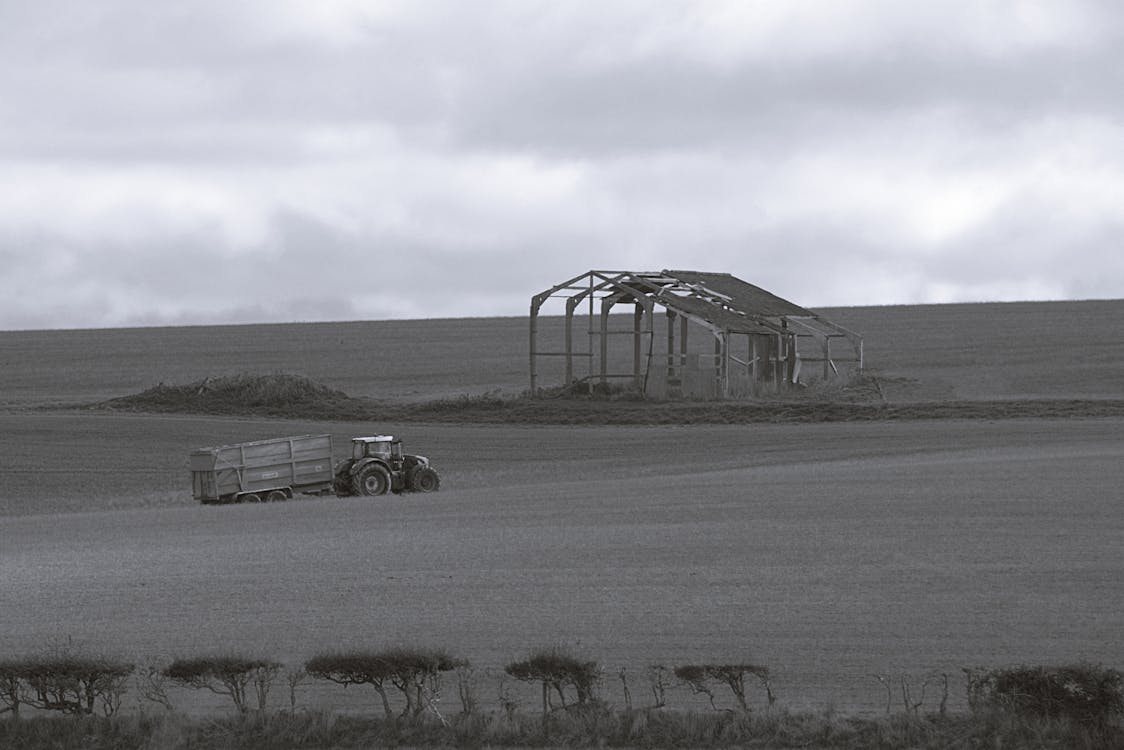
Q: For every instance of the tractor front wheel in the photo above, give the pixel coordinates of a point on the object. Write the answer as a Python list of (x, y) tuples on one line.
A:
[(372, 480), (425, 479)]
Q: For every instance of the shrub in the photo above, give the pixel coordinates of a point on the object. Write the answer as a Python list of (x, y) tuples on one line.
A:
[(65, 681), (698, 677), (10, 673), (1084, 693), (557, 669), (226, 675), (353, 668), (152, 685), (413, 672)]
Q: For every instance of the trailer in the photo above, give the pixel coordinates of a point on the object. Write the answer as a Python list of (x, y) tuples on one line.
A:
[(263, 470)]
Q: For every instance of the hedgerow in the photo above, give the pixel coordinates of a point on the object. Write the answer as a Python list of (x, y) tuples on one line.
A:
[(1047, 707)]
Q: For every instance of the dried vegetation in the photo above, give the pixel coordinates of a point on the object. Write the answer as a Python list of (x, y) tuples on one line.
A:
[(296, 396)]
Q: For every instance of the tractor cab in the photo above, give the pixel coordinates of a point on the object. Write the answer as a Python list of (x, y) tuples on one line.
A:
[(385, 447)]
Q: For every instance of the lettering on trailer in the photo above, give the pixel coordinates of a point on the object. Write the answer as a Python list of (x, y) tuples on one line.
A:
[(270, 474)]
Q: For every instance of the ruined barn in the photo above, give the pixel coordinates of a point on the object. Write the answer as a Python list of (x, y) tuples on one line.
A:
[(690, 334)]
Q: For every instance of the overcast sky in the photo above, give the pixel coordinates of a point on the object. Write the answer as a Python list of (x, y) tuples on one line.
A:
[(211, 162)]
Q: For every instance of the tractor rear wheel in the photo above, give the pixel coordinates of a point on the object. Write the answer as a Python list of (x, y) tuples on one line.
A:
[(425, 479), (372, 480)]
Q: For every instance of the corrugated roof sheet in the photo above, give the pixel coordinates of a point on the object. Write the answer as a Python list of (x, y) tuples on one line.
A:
[(746, 297), (714, 314)]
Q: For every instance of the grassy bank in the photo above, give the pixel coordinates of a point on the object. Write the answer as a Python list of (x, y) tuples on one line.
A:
[(596, 727)]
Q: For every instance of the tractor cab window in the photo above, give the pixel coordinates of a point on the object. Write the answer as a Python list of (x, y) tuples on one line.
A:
[(374, 449), (396, 449)]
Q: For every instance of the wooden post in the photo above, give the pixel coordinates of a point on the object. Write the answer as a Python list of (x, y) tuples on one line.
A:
[(752, 363), (683, 341), (637, 318), (670, 344), (790, 361), (571, 304), (605, 305), (778, 362), (826, 357), (589, 332), (534, 319), (720, 381)]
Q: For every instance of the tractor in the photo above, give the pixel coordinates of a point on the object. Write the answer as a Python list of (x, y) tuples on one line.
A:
[(378, 465)]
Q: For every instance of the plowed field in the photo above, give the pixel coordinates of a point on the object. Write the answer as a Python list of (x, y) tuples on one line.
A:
[(829, 551)]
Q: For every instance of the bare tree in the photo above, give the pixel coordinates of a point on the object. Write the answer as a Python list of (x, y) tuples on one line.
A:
[(353, 668), (232, 676), (262, 679), (466, 686), (911, 704), (414, 672), (557, 670), (657, 682), (73, 683), (884, 680), (152, 686), (695, 676), (913, 707), (293, 678), (698, 676), (508, 702), (944, 677), (10, 688)]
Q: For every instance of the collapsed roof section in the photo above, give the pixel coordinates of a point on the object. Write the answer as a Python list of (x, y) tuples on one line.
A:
[(721, 304)]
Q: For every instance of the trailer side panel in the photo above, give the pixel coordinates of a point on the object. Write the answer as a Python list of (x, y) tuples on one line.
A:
[(296, 463)]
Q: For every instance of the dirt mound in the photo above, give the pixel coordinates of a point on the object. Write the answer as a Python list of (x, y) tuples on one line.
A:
[(295, 396), (571, 411), (278, 394)]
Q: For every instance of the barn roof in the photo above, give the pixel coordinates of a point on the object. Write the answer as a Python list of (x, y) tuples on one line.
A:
[(720, 300), (743, 296)]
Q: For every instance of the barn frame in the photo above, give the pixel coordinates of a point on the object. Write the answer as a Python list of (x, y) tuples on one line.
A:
[(760, 341)]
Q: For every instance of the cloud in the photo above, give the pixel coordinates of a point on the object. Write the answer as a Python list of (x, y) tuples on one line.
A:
[(311, 161)]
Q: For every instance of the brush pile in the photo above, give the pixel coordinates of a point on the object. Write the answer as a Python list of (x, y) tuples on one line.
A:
[(279, 394)]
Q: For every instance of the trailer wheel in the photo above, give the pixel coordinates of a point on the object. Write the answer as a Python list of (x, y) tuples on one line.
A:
[(277, 496), (426, 479), (251, 497), (372, 480)]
